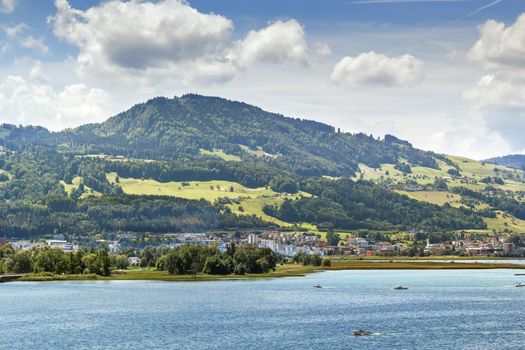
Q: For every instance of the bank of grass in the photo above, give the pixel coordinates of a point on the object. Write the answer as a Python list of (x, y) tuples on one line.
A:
[(151, 274), (287, 270)]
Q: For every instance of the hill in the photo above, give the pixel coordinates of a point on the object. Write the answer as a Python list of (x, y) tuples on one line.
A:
[(206, 163), (194, 126), (513, 161)]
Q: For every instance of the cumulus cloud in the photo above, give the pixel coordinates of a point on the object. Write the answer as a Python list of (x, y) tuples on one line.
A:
[(7, 6), (377, 69), (500, 46), (501, 104), (499, 96), (278, 42), (26, 102), (494, 92), (169, 39)]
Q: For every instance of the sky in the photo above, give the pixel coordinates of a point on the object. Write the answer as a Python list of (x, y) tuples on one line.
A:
[(446, 75)]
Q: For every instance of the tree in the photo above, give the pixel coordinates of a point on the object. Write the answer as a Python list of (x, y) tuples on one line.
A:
[(214, 265), (51, 260), (21, 262), (333, 238), (121, 262)]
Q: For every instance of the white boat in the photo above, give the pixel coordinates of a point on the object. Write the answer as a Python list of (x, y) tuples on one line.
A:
[(317, 286), (519, 284)]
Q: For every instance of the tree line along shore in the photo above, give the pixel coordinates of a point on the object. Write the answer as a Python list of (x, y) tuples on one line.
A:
[(194, 262)]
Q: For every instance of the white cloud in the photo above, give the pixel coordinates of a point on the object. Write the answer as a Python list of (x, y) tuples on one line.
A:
[(37, 73), (500, 102), (500, 46), (15, 30), (169, 40), (15, 34), (278, 42), (377, 69), (494, 92), (322, 49), (7, 6), (38, 44), (26, 102), (499, 96)]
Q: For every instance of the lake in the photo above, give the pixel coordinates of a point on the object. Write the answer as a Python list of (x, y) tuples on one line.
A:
[(443, 309)]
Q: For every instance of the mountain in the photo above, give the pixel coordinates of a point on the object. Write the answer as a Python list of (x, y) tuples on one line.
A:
[(513, 161), (189, 126), (206, 163)]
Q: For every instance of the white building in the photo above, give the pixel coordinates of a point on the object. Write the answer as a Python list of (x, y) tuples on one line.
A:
[(252, 239)]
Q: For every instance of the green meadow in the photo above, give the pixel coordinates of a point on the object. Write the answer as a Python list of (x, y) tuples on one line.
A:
[(208, 190)]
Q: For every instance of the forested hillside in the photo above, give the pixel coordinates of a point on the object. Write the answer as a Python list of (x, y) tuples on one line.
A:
[(205, 163), (182, 128)]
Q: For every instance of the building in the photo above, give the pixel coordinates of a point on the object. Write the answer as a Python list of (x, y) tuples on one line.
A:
[(64, 245), (435, 249), (134, 261), (252, 239)]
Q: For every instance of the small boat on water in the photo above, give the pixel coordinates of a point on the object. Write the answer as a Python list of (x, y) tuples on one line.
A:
[(317, 286), (519, 274), (400, 287), (360, 332), (519, 284)]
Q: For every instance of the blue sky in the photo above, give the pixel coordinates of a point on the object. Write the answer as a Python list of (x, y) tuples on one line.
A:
[(447, 75)]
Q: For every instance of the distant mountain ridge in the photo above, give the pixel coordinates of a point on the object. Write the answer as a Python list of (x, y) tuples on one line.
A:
[(513, 161)]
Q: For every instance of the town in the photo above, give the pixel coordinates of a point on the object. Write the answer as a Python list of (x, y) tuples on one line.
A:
[(288, 244)]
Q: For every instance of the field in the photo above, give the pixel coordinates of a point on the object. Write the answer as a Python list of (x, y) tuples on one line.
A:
[(469, 168), (507, 222), (258, 152), (220, 154), (251, 200), (208, 190), (254, 206), (434, 197), (77, 180)]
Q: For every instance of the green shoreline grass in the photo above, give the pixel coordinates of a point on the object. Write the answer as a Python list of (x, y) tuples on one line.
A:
[(288, 270)]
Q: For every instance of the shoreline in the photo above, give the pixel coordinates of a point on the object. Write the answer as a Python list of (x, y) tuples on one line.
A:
[(287, 270)]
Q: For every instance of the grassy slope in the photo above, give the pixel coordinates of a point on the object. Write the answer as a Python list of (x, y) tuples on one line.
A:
[(505, 221), (220, 154), (470, 168), (252, 200), (193, 189), (77, 180), (258, 153), (434, 197)]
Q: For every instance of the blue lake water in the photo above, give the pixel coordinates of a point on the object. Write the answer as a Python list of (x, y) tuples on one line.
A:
[(457, 309)]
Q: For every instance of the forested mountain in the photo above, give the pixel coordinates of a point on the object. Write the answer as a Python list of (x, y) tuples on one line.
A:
[(179, 128), (207, 163), (514, 161)]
